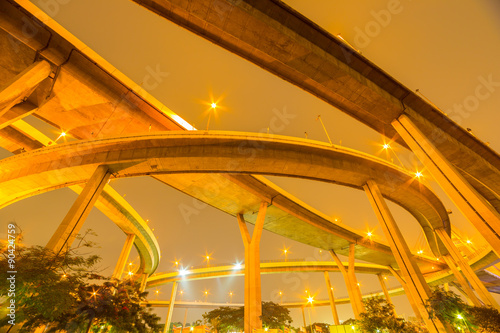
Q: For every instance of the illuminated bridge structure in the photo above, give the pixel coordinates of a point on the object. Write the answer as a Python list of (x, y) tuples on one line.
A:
[(122, 131)]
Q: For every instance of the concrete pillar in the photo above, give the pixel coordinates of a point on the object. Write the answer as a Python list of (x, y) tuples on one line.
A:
[(407, 292), (475, 208), (464, 294), (143, 281), (71, 224), (462, 281), (171, 307), (22, 85), (122, 260), (469, 274), (303, 318), (384, 289), (332, 299), (185, 318), (356, 301), (253, 297), (411, 273), (353, 279)]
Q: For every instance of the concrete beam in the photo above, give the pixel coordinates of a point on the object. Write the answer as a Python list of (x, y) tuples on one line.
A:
[(22, 85), (474, 207), (417, 286), (71, 224)]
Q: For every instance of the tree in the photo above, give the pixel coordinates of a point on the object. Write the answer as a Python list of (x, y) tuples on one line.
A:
[(64, 291), (379, 317), (224, 318), (486, 319), (451, 309), (274, 315)]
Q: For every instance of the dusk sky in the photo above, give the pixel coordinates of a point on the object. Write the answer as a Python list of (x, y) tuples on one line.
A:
[(447, 49)]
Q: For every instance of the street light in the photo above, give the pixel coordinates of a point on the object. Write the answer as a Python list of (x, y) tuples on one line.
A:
[(212, 106), (310, 300), (285, 252), (230, 297)]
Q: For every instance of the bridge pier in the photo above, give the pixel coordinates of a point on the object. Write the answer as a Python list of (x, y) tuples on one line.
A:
[(407, 292), (122, 260), (171, 308), (415, 281), (74, 219), (384, 289), (253, 297), (469, 274), (462, 281), (332, 299), (472, 204), (351, 281)]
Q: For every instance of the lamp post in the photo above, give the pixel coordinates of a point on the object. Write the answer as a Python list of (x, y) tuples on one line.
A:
[(310, 300)]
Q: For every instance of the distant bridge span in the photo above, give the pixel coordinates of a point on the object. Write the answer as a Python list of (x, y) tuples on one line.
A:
[(234, 153)]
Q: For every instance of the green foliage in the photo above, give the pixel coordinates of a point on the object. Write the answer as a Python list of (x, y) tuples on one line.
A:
[(274, 315), (57, 290), (379, 317), (226, 319), (486, 319), (449, 308)]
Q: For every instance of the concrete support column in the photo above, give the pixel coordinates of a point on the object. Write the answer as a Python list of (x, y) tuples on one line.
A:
[(462, 281), (122, 260), (332, 299), (22, 85), (143, 281), (351, 284), (185, 318), (303, 318), (469, 274), (475, 208), (411, 273), (171, 307), (253, 297), (407, 292), (384, 289), (71, 224)]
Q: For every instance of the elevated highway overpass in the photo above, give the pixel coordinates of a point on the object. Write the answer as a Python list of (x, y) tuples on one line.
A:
[(282, 41), (55, 77)]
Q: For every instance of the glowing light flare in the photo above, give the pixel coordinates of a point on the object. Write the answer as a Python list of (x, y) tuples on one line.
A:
[(310, 299), (386, 146), (213, 105), (183, 272), (418, 174), (459, 316), (61, 135), (238, 265)]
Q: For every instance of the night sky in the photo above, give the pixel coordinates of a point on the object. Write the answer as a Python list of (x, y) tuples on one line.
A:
[(446, 49)]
